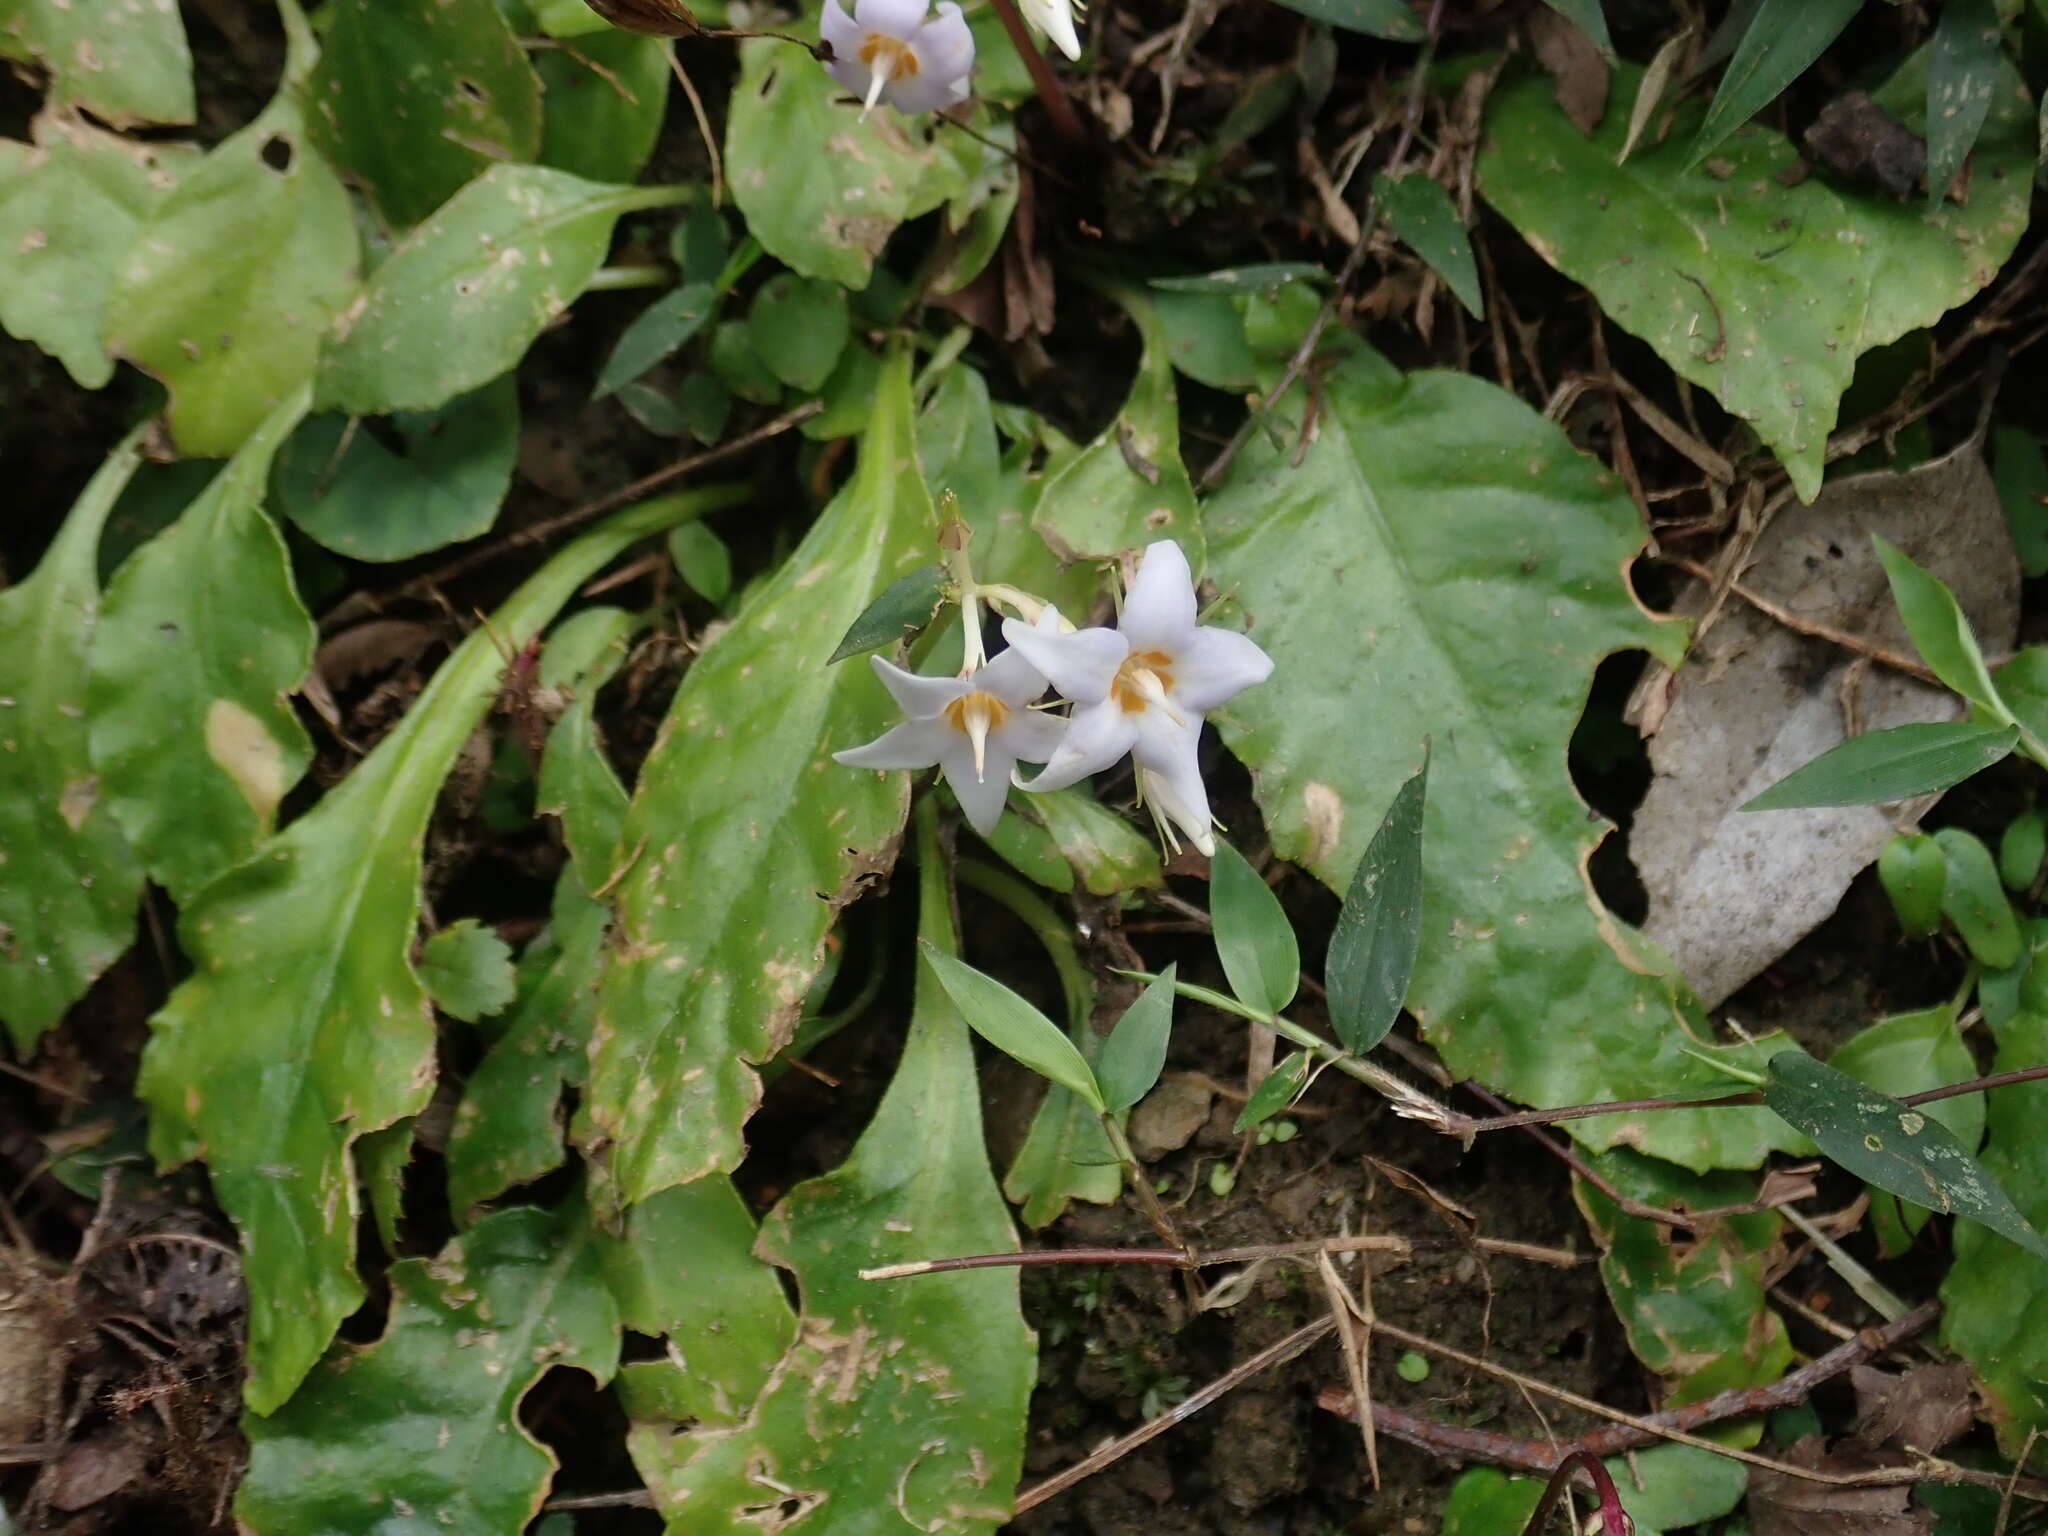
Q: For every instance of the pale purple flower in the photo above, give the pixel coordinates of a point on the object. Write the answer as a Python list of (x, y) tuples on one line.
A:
[(891, 50), (1144, 688), (975, 729)]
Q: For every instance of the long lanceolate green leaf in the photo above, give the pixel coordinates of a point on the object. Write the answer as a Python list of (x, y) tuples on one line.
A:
[(1783, 39), (746, 837), (68, 880), (1443, 564), (303, 1025), (1896, 764), (200, 643), (900, 1407)]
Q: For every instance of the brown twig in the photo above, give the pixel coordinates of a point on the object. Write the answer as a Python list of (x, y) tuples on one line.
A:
[(361, 605), (1736, 1403), (1286, 1349), (1809, 627), (1188, 1258)]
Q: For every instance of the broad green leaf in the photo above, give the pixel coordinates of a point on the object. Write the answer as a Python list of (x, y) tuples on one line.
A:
[(1205, 338), (1693, 1303), (1588, 17), (702, 559), (1905, 1151), (656, 332), (1371, 959), (604, 101), (1128, 488), (1275, 1092), (467, 971), (902, 1403), (1107, 852), (2023, 688), (233, 278), (413, 98), (2022, 847), (509, 1125), (415, 482), (827, 209), (1421, 212), (1066, 1156), (1135, 1052), (303, 1024), (1941, 634), (1909, 1053), (1394, 20), (1914, 873), (67, 904), (422, 1428), (1995, 1296), (1255, 277), (124, 64), (1254, 939), (740, 797), (1896, 764), (848, 395), (905, 606), (1010, 1024), (1676, 1487), (577, 783), (1973, 898), (682, 1269), (462, 295), (1485, 555), (738, 366), (1485, 1501), (69, 210), (799, 326), (381, 1160), (201, 642), (2022, 476), (1783, 39), (1028, 848), (1762, 293), (1962, 77)]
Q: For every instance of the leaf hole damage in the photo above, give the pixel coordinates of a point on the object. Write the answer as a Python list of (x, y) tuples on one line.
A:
[(277, 153)]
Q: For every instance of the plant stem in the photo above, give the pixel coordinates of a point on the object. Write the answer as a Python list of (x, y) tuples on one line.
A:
[(1058, 105), (635, 275)]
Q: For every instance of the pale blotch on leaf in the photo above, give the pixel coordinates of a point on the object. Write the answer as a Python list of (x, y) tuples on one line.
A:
[(244, 749), (1322, 818), (77, 801)]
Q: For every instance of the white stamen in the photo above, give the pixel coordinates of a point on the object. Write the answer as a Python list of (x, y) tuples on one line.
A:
[(878, 80), (975, 720)]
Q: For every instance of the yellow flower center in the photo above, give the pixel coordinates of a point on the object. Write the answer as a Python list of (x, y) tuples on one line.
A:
[(891, 58), (1144, 679)]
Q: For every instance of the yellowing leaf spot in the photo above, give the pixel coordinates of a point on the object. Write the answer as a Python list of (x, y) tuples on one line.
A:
[(1322, 815), (243, 749)]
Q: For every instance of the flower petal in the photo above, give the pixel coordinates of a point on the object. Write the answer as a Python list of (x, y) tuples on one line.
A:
[(898, 18), (1169, 766), (1011, 678), (913, 744), (1214, 665), (913, 94), (1159, 608), (1097, 735), (945, 46), (844, 34), (1055, 18), (981, 799), (1031, 734), (1081, 665), (918, 696)]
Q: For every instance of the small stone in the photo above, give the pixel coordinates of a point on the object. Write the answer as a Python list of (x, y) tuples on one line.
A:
[(1168, 1118)]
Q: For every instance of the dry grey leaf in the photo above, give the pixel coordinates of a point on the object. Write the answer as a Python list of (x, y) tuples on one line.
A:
[(1922, 1409), (1731, 891), (1783, 1505)]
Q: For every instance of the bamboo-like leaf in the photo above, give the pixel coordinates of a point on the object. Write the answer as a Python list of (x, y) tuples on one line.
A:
[(1905, 1151), (1254, 939), (1941, 633), (1896, 764), (1962, 76), (1379, 928), (905, 607), (1783, 39), (1010, 1024), (1421, 212), (1135, 1052)]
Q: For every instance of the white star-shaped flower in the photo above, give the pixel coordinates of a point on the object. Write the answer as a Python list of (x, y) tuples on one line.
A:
[(1144, 688), (975, 729), (1055, 18), (891, 50)]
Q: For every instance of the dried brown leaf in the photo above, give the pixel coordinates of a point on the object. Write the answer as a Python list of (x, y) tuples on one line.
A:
[(1922, 1409), (1574, 65), (1783, 1505)]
